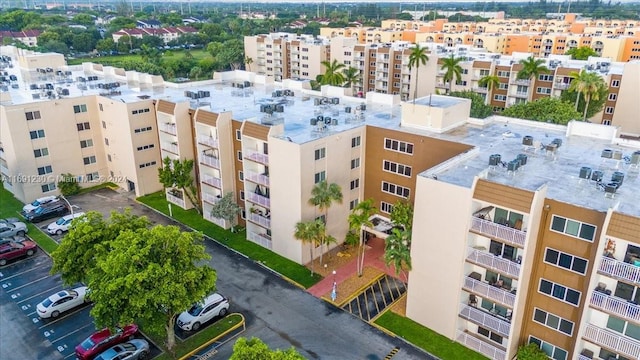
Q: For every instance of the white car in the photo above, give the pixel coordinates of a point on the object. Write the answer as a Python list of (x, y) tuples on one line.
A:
[(63, 224), (62, 301), (38, 202), (212, 306)]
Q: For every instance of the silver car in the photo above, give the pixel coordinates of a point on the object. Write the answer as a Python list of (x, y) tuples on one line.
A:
[(13, 229), (136, 349)]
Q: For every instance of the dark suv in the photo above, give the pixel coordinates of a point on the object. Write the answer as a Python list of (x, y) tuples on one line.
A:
[(47, 212)]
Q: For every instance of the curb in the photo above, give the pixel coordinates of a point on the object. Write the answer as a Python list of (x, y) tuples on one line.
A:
[(211, 341), (388, 308)]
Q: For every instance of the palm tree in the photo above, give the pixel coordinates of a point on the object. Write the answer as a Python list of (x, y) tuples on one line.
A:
[(305, 232), (417, 57), (351, 77), (332, 73), (490, 82), (195, 72), (323, 195), (588, 84), (453, 70), (531, 67), (248, 61), (358, 218), (397, 251)]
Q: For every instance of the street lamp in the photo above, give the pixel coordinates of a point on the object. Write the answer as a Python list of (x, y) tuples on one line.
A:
[(68, 204), (334, 290)]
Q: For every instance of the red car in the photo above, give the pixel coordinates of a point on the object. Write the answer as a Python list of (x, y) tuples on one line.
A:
[(103, 339), (10, 250)]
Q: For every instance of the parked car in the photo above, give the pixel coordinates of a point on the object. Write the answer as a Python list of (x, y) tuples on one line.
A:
[(9, 220), (38, 202), (11, 250), (16, 238), (101, 340), (13, 229), (62, 301), (136, 349), (212, 306), (63, 224), (47, 211)]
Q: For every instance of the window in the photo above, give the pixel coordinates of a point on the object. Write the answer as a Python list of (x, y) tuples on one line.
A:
[(395, 189), (399, 146), (32, 115), (573, 228), (45, 170), (100, 107), (40, 152), (502, 73), (83, 126), (624, 327), (146, 147), (89, 160), (569, 262), (353, 204), (545, 77), (490, 334), (94, 176), (36, 134), (320, 176), (239, 155), (396, 168), (106, 141), (355, 141), (104, 124), (614, 83), (141, 166), (559, 292), (79, 108), (355, 184), (608, 110), (143, 129), (385, 207), (503, 86), (551, 350), (613, 97), (543, 90), (355, 163), (48, 187), (241, 194), (553, 321), (241, 175), (86, 143), (139, 111), (499, 97), (109, 157), (320, 153)]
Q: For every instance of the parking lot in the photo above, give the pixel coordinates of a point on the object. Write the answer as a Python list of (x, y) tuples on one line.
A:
[(27, 282)]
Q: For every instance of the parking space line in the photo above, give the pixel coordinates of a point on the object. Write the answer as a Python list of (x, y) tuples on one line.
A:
[(71, 333), (38, 294), (24, 272), (73, 354), (62, 317), (29, 283)]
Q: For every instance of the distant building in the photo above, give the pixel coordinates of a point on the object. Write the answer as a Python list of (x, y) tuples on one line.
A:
[(148, 24), (27, 37), (167, 34)]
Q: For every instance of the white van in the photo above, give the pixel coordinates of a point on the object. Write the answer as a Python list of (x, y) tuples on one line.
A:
[(63, 224)]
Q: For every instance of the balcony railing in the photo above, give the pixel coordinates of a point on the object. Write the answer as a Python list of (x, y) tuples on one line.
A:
[(620, 270), (210, 161), (175, 200), (584, 357), (208, 140), (169, 128), (260, 220), (172, 148), (213, 181), (487, 321), (520, 94), (606, 338), (562, 86), (615, 306), (490, 292), (257, 157), (260, 239), (211, 199), (521, 81), (484, 348), (215, 220), (500, 232), (256, 178), (493, 262), (480, 89), (258, 199)]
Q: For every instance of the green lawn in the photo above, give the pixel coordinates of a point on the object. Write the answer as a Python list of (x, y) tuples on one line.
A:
[(425, 338), (11, 207), (236, 241), (116, 60)]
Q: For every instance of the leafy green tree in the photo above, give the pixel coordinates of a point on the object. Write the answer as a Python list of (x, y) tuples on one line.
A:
[(149, 54), (452, 70), (179, 174), (402, 214), (490, 82), (88, 240), (417, 57), (358, 218), (47, 36), (150, 276), (247, 62), (397, 251), (332, 73), (581, 53), (195, 72), (68, 185), (591, 86), (479, 109), (256, 349), (226, 208), (351, 77), (83, 42), (307, 233), (105, 45), (544, 109), (232, 54), (83, 19), (55, 46), (531, 67), (323, 195), (531, 352)]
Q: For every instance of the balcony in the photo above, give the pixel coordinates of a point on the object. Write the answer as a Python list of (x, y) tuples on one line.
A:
[(263, 221), (525, 82), (263, 240), (215, 220), (494, 263), (258, 199), (619, 270), (257, 157), (615, 306), (254, 177), (480, 89), (211, 199), (562, 86), (212, 181), (484, 348), (171, 147), (503, 233), (175, 200), (520, 94), (208, 140), (486, 320), (209, 160), (623, 345), (489, 292), (169, 128)]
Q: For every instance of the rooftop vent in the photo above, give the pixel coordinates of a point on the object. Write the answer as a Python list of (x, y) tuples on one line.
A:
[(585, 172), (635, 158), (617, 177), (607, 154), (527, 140), (617, 155), (513, 165), (557, 141), (494, 160), (597, 176), (522, 158)]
